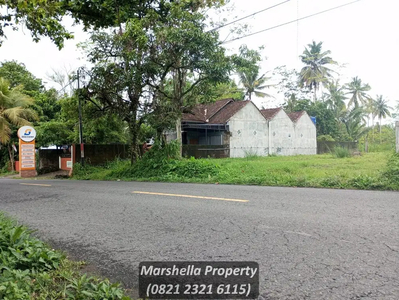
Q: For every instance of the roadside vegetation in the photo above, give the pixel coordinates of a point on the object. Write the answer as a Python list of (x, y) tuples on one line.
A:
[(30, 269), (375, 171)]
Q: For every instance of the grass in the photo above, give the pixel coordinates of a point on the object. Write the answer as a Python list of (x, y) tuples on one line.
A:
[(30, 269), (360, 172)]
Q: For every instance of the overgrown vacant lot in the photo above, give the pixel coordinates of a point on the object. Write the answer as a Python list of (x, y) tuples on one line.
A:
[(368, 171)]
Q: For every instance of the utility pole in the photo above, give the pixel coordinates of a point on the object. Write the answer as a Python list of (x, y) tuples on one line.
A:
[(82, 148)]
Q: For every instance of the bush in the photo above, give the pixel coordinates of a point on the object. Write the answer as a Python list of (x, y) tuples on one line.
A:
[(392, 169), (325, 138), (29, 269), (340, 152)]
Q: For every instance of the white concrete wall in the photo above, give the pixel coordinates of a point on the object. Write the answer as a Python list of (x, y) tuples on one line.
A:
[(305, 136), (249, 132), (282, 135)]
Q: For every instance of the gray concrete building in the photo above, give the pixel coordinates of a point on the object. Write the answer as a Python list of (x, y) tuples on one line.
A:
[(229, 128)]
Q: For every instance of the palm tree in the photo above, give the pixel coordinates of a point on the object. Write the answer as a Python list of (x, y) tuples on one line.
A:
[(315, 71), (254, 84), (358, 90), (381, 109), (354, 122), (14, 111), (335, 99)]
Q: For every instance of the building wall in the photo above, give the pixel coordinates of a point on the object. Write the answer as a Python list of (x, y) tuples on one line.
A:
[(282, 135), (248, 132), (305, 136)]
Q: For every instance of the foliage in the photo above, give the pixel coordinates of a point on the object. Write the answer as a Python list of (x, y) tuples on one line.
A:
[(225, 90), (315, 70), (358, 92), (385, 141), (361, 172), (247, 67), (159, 64), (14, 109), (17, 74), (160, 166), (325, 138), (325, 121), (289, 87), (32, 270), (341, 152)]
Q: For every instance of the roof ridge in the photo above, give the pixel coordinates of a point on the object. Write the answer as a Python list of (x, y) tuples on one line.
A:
[(216, 112)]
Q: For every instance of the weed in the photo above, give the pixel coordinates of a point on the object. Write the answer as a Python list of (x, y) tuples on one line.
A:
[(340, 152), (29, 269)]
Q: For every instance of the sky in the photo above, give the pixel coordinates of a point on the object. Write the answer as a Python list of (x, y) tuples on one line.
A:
[(362, 36)]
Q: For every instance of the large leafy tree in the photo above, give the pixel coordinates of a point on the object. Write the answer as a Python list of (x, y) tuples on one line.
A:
[(44, 17), (17, 74), (15, 111), (316, 69), (358, 92), (155, 59)]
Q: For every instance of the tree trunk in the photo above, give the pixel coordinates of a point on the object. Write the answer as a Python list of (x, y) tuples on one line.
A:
[(380, 129), (366, 144), (315, 94), (11, 155), (178, 136)]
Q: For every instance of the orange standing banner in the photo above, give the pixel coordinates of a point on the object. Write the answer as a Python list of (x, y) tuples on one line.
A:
[(27, 161)]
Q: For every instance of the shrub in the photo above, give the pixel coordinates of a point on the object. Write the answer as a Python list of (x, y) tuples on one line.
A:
[(30, 269), (325, 138), (341, 152)]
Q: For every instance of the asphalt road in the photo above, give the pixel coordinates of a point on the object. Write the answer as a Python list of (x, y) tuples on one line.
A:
[(309, 243)]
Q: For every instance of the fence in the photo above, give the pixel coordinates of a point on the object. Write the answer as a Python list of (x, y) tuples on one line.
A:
[(327, 147), (100, 154), (204, 151)]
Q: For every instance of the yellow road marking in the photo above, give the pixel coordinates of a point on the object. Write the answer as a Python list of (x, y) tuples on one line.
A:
[(190, 196), (37, 184)]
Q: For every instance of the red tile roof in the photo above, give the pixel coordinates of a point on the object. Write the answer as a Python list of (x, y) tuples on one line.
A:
[(203, 112), (295, 116), (270, 113), (227, 112)]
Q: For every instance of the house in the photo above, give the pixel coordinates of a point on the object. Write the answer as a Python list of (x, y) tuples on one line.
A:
[(304, 132), (281, 131), (229, 128)]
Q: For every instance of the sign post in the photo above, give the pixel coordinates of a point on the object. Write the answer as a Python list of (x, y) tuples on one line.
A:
[(27, 161)]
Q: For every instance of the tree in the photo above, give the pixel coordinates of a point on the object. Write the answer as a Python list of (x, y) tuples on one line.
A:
[(44, 17), (315, 70), (154, 60), (253, 84), (15, 112), (335, 99), (325, 121), (381, 109), (17, 74), (354, 123), (246, 64), (288, 84), (358, 92)]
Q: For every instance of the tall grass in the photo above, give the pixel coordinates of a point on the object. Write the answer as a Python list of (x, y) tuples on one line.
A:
[(363, 172)]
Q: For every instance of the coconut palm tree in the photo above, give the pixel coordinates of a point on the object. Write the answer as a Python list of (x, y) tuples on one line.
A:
[(14, 112), (358, 92), (315, 70), (381, 109), (254, 84), (335, 99)]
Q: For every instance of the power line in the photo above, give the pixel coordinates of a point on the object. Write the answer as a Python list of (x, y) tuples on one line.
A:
[(251, 15), (293, 21)]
